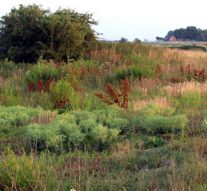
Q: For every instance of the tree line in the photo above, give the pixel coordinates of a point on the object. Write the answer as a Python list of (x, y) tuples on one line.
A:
[(189, 33), (28, 33)]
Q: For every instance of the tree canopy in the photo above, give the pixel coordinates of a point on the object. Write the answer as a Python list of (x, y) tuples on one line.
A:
[(30, 32), (190, 33)]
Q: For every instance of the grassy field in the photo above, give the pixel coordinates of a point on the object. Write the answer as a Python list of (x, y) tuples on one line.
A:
[(185, 45), (125, 117)]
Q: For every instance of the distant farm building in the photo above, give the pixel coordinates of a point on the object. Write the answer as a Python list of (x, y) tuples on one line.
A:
[(172, 39)]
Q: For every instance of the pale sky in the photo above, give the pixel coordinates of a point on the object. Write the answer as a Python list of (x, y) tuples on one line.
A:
[(143, 19)]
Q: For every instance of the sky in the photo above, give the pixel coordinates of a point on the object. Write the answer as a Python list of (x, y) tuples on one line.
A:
[(143, 19)]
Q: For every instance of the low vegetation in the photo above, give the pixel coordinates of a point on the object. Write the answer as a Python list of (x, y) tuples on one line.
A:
[(124, 116)]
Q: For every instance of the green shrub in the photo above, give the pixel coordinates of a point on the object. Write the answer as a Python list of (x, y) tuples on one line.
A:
[(16, 116), (151, 122), (63, 95), (86, 125), (117, 122), (6, 68), (41, 75), (140, 60), (133, 72), (45, 136), (90, 129), (59, 35), (156, 125), (153, 141), (142, 67), (90, 102)]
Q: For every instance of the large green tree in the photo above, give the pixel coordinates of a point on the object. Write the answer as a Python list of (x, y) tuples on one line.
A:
[(30, 32), (23, 32), (70, 33)]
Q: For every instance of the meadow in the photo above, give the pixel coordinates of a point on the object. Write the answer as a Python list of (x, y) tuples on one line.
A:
[(126, 116)]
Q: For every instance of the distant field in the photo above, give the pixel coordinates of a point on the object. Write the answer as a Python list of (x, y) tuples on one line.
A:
[(179, 43)]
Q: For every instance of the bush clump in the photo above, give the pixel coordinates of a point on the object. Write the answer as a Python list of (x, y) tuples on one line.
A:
[(78, 129), (30, 32), (63, 95), (15, 118), (133, 72), (41, 75), (152, 122)]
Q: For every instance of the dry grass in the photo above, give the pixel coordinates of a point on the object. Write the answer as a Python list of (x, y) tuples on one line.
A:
[(192, 175), (169, 69), (2, 81), (44, 117), (106, 55), (179, 89), (145, 85), (199, 145), (159, 101), (183, 56), (123, 149), (173, 61)]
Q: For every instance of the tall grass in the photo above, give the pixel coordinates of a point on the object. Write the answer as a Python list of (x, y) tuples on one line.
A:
[(146, 134)]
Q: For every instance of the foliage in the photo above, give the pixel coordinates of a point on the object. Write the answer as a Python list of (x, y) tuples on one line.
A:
[(6, 68), (18, 33), (153, 141), (157, 143), (71, 33), (41, 75), (190, 100), (61, 35), (123, 40), (131, 73), (136, 40), (63, 95), (152, 110), (91, 102), (190, 33), (119, 97), (16, 117), (26, 172), (90, 129), (152, 123), (158, 125), (39, 99), (135, 71), (9, 95)]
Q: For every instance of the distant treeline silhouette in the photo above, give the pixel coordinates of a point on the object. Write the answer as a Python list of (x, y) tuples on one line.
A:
[(189, 33)]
